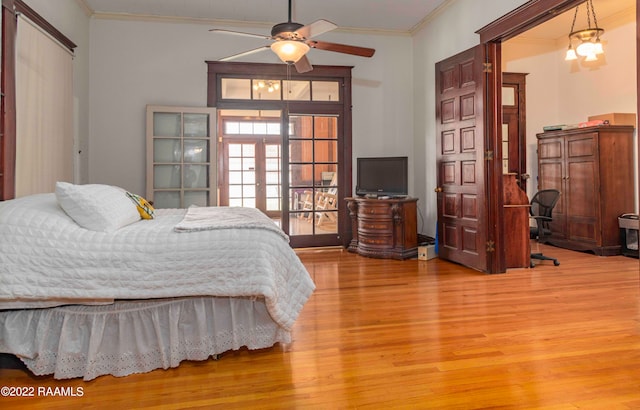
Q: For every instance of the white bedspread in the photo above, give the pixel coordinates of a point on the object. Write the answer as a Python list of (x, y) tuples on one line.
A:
[(209, 218), (46, 257)]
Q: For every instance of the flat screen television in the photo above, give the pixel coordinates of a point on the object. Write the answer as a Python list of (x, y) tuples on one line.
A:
[(382, 176)]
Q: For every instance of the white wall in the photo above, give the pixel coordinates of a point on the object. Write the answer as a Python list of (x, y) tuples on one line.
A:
[(451, 31), (72, 20), (561, 92), (135, 63)]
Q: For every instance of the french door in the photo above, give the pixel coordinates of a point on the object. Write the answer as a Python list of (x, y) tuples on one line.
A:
[(288, 166), (314, 180), (284, 146), (252, 168)]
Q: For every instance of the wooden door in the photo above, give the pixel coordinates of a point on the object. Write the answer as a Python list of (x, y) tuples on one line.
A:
[(460, 158), (514, 137)]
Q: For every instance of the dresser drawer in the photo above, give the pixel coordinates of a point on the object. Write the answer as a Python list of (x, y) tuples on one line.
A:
[(375, 225), (374, 209), (375, 240)]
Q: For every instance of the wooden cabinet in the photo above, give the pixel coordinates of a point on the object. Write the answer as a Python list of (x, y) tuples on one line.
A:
[(384, 228), (181, 156), (593, 170)]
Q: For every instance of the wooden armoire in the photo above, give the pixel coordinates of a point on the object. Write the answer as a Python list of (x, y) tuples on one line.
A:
[(592, 167)]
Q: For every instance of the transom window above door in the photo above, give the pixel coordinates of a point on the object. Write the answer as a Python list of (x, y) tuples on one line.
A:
[(272, 89)]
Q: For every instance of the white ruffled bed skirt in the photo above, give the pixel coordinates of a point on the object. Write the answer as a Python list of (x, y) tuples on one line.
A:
[(134, 336)]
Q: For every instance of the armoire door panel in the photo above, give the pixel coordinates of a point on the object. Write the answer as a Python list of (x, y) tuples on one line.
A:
[(582, 229), (581, 187), (581, 146), (550, 150)]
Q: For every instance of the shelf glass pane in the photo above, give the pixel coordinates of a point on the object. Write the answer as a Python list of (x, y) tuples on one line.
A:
[(166, 150), (196, 176), (199, 198), (166, 199), (196, 125), (166, 124), (196, 150), (166, 176)]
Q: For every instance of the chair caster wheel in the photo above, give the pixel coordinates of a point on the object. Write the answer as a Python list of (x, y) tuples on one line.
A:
[(556, 263)]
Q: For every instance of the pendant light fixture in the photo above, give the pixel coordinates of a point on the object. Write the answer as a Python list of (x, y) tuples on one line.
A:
[(588, 39)]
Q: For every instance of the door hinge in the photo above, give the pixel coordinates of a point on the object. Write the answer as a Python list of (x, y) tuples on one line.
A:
[(488, 155), (487, 67), (491, 246), (219, 139)]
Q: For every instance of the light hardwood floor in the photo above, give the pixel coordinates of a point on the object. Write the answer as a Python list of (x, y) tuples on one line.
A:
[(416, 334)]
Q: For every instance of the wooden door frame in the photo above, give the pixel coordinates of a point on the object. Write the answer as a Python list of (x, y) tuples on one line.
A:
[(518, 21), (216, 70)]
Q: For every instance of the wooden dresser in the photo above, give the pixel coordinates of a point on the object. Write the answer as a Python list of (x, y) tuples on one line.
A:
[(384, 228), (592, 168)]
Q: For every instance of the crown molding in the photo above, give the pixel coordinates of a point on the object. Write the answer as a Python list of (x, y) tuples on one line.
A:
[(431, 16), (231, 23), (88, 11)]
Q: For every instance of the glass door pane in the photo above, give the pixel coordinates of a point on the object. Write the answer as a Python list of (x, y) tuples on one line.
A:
[(242, 174), (273, 180), (313, 174)]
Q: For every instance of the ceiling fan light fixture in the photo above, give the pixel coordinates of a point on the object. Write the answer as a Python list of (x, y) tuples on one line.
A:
[(289, 51)]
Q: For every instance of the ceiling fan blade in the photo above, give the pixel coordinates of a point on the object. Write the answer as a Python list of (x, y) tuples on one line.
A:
[(244, 53), (342, 48), (303, 65), (315, 29), (240, 33)]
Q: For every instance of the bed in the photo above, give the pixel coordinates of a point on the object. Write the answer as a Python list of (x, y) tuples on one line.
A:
[(88, 287)]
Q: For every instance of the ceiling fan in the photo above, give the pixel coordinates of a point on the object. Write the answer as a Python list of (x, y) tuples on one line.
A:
[(292, 41)]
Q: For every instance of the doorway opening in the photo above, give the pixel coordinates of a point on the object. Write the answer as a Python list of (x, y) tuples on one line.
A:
[(284, 143)]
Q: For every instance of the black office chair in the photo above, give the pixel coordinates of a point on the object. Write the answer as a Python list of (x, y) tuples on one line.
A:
[(541, 210)]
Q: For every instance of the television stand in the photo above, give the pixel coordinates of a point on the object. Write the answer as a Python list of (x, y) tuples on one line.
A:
[(384, 228)]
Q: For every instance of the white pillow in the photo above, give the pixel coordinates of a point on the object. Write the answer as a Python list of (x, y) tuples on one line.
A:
[(97, 207)]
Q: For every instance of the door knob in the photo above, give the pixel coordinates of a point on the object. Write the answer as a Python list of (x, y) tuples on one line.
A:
[(438, 189)]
